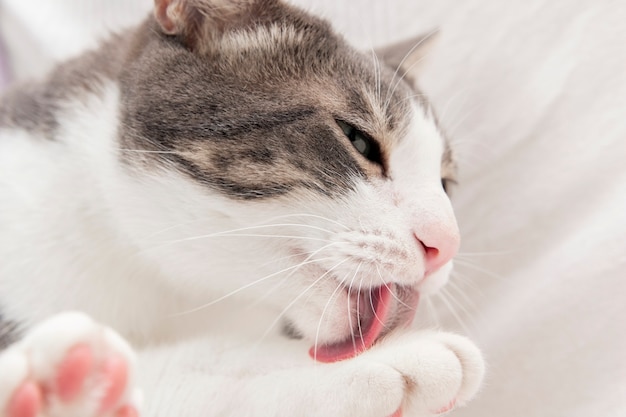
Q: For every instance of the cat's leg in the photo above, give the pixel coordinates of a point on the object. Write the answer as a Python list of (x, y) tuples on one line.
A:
[(413, 374), (409, 375), (68, 366)]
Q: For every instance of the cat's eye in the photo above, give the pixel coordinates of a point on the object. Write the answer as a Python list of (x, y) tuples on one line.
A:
[(365, 145)]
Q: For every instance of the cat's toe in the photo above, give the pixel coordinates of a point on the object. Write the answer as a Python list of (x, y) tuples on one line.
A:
[(69, 366), (440, 370)]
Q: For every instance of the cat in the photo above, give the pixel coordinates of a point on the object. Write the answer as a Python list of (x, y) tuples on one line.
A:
[(249, 202)]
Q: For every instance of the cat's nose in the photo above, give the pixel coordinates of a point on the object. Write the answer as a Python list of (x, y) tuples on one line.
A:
[(440, 241)]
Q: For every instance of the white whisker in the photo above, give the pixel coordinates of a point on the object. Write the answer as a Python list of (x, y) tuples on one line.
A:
[(282, 281), (349, 307), (443, 296), (238, 290), (406, 56), (392, 293), (319, 324), (284, 311)]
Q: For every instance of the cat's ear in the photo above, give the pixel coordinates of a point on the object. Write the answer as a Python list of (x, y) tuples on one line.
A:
[(408, 56), (193, 20)]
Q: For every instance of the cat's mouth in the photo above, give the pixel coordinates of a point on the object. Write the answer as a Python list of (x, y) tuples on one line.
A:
[(379, 311)]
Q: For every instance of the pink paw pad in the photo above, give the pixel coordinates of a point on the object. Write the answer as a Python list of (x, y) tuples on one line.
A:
[(115, 375), (26, 401), (447, 408), (397, 413), (73, 371), (78, 373)]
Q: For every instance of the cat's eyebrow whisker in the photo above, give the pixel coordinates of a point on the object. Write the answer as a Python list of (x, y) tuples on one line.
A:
[(147, 151), (242, 288), (410, 51), (399, 81), (295, 300), (412, 96), (377, 76), (461, 120), (448, 105), (319, 324)]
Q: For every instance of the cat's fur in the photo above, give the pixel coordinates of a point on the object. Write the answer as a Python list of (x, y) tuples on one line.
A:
[(190, 178)]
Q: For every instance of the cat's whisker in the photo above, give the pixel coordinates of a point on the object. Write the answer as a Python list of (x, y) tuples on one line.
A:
[(263, 225), (221, 234), (465, 282), (358, 309), (284, 258), (282, 281), (242, 288), (295, 300), (464, 309), (468, 264), (319, 324), (491, 253), (315, 216), (466, 299), (374, 310), (392, 293), (432, 311), (349, 306), (443, 295)]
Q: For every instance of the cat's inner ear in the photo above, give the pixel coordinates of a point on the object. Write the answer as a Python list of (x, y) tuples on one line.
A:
[(173, 15), (409, 56), (201, 21)]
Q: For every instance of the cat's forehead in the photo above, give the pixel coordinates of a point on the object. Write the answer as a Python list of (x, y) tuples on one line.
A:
[(307, 60), (257, 111)]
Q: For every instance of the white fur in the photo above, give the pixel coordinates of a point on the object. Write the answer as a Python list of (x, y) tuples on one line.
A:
[(160, 258)]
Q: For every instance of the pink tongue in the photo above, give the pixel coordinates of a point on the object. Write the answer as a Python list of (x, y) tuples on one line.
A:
[(381, 300)]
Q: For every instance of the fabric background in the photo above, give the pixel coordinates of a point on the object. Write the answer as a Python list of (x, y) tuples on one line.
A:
[(533, 95)]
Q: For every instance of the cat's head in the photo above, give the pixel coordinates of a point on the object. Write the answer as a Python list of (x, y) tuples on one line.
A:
[(277, 162)]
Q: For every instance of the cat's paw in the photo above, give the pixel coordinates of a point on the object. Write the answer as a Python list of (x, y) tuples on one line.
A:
[(68, 366), (419, 375)]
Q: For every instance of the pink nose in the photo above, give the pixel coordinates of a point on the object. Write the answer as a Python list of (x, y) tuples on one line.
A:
[(440, 243)]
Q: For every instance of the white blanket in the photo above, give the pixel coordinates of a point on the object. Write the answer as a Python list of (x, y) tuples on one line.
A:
[(533, 94)]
